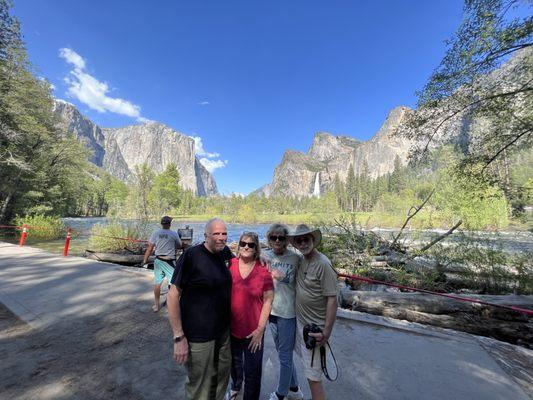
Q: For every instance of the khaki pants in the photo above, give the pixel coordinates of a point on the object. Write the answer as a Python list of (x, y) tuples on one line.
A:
[(208, 369)]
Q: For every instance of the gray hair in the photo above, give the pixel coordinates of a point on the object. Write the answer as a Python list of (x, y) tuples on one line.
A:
[(211, 222), (277, 228)]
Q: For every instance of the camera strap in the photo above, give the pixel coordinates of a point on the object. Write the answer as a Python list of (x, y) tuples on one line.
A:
[(323, 363)]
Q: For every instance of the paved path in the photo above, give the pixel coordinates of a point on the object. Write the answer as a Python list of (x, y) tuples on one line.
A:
[(378, 358)]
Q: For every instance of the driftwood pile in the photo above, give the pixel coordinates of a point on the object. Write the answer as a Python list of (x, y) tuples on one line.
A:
[(501, 324), (354, 250)]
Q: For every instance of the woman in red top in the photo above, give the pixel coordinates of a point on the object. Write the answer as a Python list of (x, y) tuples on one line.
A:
[(251, 300)]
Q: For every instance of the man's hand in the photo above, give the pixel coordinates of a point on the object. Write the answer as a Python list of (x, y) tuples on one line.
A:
[(321, 338), (181, 351), (257, 339)]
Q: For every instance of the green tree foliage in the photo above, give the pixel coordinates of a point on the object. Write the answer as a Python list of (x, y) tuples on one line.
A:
[(398, 178), (467, 87), (40, 165), (166, 191), (138, 200), (477, 203)]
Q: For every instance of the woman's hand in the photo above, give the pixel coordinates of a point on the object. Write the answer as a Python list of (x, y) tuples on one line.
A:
[(277, 274), (257, 339), (265, 262)]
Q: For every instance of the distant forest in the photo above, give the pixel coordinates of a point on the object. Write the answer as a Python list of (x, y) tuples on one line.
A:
[(46, 172)]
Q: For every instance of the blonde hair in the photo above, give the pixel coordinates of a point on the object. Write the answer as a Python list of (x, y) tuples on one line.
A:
[(255, 239)]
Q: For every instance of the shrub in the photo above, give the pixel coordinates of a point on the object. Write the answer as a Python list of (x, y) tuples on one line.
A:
[(42, 227), (103, 237)]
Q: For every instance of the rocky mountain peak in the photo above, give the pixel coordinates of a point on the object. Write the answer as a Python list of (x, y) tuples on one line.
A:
[(394, 119), (73, 122), (119, 150), (325, 146)]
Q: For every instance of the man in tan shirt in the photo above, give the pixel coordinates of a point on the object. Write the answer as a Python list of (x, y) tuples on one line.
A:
[(316, 302)]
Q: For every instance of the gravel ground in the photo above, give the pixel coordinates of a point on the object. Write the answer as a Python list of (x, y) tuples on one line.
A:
[(118, 355)]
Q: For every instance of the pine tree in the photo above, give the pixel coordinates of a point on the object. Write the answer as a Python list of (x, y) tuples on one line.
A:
[(351, 189)]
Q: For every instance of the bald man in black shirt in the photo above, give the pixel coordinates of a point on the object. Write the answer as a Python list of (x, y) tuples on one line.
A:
[(199, 307)]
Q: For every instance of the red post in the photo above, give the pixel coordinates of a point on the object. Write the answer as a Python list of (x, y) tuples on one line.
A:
[(23, 235), (67, 243)]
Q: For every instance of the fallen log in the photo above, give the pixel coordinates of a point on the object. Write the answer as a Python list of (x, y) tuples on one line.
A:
[(473, 318)]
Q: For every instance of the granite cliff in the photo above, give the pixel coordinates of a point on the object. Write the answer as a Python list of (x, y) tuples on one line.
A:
[(119, 150), (313, 173)]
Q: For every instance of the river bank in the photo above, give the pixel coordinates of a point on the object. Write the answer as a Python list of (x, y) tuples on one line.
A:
[(508, 240)]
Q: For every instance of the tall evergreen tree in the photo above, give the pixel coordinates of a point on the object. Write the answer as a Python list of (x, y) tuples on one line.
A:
[(40, 165), (351, 189)]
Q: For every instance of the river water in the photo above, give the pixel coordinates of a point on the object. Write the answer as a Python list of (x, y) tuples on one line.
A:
[(521, 241)]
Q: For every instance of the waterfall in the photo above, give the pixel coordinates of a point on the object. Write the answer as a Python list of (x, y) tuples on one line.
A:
[(316, 189)]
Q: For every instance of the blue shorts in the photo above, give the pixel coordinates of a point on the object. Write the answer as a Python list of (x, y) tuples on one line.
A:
[(162, 270)]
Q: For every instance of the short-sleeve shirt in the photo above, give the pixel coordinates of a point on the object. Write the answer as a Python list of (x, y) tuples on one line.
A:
[(166, 242), (205, 283), (284, 289), (247, 298), (315, 281)]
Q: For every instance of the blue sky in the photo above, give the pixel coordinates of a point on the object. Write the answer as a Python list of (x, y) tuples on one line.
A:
[(251, 79)]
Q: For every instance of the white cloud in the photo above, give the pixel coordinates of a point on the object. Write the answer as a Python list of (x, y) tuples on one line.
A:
[(90, 91), (212, 165), (72, 57), (199, 148), (209, 160), (204, 103)]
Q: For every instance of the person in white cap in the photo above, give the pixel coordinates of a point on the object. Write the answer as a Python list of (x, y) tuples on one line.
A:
[(165, 243), (316, 302)]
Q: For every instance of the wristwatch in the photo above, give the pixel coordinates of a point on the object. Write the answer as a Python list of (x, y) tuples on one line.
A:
[(178, 339)]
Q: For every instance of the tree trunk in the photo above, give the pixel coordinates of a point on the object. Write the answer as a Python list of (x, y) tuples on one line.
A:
[(502, 324), (5, 204)]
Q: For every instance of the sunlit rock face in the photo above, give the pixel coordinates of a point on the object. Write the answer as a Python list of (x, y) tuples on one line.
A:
[(73, 122), (119, 150), (331, 155)]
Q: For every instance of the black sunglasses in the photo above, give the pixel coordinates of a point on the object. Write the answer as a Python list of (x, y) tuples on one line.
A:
[(277, 238), (251, 245)]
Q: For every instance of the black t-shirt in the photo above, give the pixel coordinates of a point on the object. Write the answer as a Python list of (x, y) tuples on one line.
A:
[(205, 283)]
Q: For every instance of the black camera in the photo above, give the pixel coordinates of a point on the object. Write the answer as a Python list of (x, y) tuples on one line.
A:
[(310, 341)]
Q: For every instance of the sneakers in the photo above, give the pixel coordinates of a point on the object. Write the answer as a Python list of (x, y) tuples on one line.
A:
[(295, 395), (290, 396)]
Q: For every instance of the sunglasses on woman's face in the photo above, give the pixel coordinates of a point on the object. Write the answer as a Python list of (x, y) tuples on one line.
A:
[(251, 245), (275, 238)]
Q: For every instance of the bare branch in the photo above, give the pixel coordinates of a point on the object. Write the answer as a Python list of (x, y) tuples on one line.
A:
[(441, 237), (505, 147), (522, 89), (410, 216)]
